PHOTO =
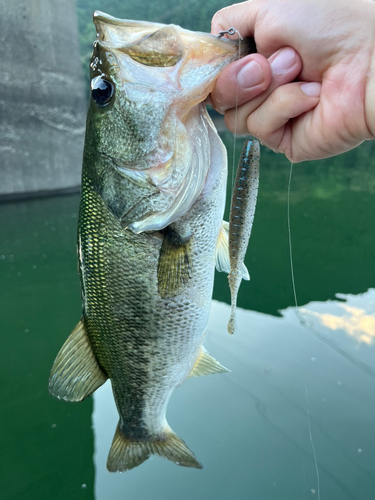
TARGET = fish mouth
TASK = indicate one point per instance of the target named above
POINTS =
(175, 152)
(127, 32)
(163, 45)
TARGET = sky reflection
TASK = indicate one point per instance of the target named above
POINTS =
(355, 317)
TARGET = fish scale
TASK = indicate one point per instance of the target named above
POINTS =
(139, 329)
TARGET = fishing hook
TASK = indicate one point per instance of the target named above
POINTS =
(230, 31)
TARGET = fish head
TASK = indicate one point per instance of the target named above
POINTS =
(146, 81)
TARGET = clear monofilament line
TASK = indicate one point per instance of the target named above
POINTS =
(235, 115)
(312, 444)
(290, 237)
(300, 318)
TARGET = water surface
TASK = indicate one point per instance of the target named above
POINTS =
(301, 385)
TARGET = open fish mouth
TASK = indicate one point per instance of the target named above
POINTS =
(161, 74)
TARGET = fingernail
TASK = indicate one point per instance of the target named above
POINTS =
(311, 89)
(250, 75)
(284, 60)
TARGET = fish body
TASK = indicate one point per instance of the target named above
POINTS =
(242, 211)
(153, 194)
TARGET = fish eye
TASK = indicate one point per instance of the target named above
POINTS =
(102, 91)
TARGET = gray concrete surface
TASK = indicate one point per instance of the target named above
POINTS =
(42, 97)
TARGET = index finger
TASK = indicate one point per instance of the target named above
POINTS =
(241, 16)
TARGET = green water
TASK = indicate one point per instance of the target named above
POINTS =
(295, 389)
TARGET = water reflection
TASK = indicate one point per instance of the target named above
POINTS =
(355, 317)
(251, 428)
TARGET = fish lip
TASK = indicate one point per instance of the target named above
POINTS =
(143, 28)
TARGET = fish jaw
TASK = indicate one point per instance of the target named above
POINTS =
(190, 61)
(153, 125)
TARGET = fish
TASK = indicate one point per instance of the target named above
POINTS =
(241, 217)
(149, 230)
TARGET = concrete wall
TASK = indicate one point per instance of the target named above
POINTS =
(42, 98)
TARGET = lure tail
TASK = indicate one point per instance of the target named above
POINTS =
(234, 285)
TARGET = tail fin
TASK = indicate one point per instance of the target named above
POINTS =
(125, 454)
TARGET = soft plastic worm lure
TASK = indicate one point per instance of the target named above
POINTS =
(241, 218)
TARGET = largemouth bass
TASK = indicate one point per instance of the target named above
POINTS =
(152, 202)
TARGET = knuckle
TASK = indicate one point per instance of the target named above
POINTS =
(279, 99)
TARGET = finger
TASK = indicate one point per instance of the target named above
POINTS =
(285, 65)
(241, 81)
(268, 122)
(241, 16)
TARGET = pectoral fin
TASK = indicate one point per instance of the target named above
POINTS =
(76, 373)
(174, 269)
(206, 365)
(222, 253)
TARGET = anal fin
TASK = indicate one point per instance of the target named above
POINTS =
(206, 365)
(76, 372)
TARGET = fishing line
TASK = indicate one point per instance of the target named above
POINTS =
(235, 121)
(299, 316)
(312, 442)
(290, 241)
(233, 31)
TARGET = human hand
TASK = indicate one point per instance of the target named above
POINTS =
(331, 108)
